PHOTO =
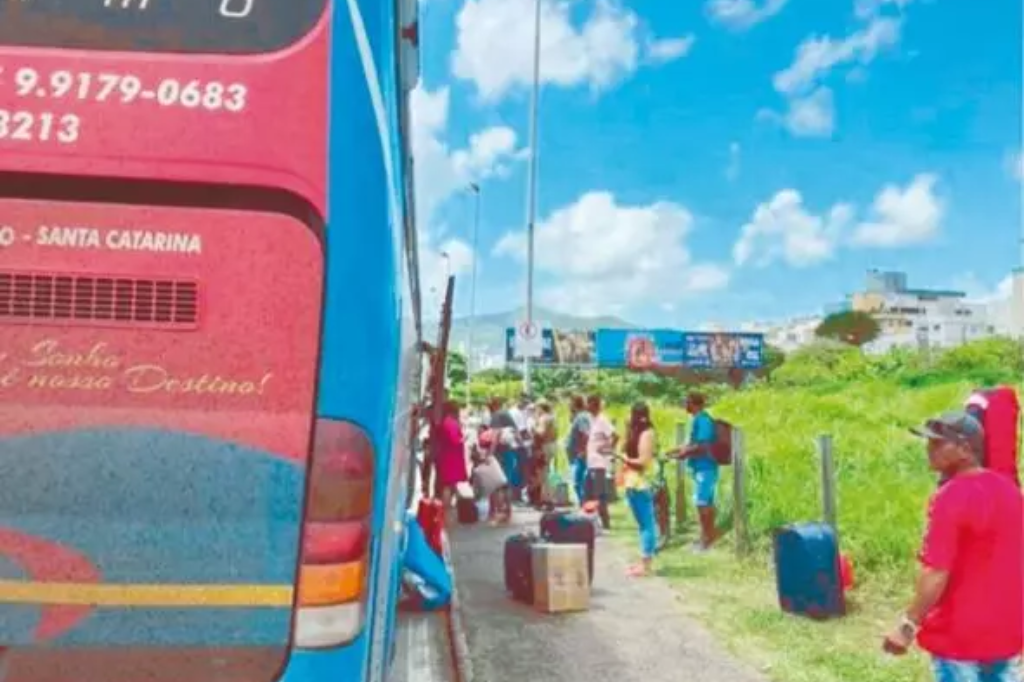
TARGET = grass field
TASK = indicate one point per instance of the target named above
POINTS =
(883, 487)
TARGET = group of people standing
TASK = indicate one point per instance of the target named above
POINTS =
(968, 607)
(520, 443)
(592, 446)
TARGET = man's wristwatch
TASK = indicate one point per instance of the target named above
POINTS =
(907, 627)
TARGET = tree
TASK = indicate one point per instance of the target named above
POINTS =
(852, 326)
(774, 357)
(457, 372)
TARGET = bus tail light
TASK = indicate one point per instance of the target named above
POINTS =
(336, 537)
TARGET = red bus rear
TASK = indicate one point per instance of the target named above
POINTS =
(162, 209)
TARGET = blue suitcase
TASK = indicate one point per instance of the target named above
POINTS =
(807, 571)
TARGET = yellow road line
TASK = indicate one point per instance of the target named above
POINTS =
(162, 595)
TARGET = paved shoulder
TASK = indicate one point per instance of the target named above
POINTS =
(633, 632)
(422, 653)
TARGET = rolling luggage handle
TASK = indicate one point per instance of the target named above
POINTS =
(739, 492)
(830, 515)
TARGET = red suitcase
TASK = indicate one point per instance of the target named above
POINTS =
(430, 516)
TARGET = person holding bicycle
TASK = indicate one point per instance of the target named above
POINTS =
(640, 449)
(703, 467)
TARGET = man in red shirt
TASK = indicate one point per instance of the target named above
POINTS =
(968, 610)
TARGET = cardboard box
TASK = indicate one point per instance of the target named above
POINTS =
(560, 580)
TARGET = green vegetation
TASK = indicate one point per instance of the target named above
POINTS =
(866, 403)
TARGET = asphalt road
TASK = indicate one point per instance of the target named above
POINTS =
(633, 632)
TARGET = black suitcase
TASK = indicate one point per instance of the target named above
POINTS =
(808, 573)
(519, 566)
(570, 528)
(467, 511)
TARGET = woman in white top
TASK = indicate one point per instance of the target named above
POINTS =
(601, 442)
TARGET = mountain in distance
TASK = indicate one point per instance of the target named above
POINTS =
(489, 329)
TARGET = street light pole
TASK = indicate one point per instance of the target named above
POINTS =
(475, 189)
(531, 187)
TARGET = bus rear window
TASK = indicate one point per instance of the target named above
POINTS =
(156, 418)
(197, 26)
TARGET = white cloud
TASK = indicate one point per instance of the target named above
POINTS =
(437, 262)
(782, 229)
(495, 39)
(1005, 288)
(818, 55)
(732, 171)
(866, 9)
(1015, 165)
(810, 105)
(903, 216)
(811, 115)
(743, 14)
(606, 256)
(979, 292)
(489, 154)
(665, 50)
(442, 171)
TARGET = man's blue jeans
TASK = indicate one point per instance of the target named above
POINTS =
(641, 502)
(579, 479)
(510, 464)
(963, 671)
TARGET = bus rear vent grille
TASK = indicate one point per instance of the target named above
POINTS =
(101, 301)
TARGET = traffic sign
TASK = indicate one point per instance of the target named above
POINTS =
(529, 343)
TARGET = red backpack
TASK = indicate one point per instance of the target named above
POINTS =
(998, 410)
(721, 450)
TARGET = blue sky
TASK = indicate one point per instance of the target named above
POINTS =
(721, 160)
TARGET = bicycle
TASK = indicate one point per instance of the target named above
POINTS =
(662, 503)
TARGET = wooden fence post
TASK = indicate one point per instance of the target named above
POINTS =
(739, 493)
(828, 482)
(680, 479)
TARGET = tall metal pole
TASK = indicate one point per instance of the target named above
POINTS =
(475, 189)
(531, 187)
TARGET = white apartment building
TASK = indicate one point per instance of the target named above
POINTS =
(1008, 307)
(793, 334)
(909, 318)
(921, 318)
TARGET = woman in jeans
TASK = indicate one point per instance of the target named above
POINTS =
(641, 445)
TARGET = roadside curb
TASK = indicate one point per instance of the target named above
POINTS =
(458, 643)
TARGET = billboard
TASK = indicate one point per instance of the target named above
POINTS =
(723, 350)
(640, 349)
(559, 347)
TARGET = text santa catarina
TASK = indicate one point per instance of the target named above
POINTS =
(76, 237)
